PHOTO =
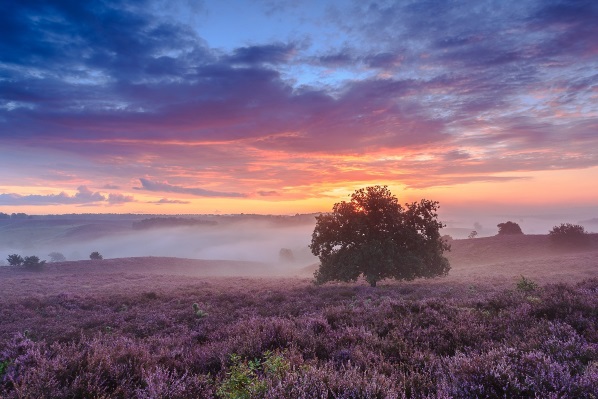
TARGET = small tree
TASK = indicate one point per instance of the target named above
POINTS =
(95, 256)
(286, 255)
(374, 236)
(33, 262)
(569, 235)
(507, 228)
(15, 260)
(56, 257)
(473, 234)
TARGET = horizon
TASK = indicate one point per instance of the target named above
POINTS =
(281, 107)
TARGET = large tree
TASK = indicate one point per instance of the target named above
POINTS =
(374, 236)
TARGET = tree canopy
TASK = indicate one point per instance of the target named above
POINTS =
(569, 235)
(508, 228)
(374, 236)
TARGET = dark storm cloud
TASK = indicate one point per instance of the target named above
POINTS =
(149, 185)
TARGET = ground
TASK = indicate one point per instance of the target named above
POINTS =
(127, 328)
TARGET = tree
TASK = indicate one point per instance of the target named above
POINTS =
(33, 262)
(374, 236)
(95, 256)
(15, 260)
(569, 235)
(286, 255)
(56, 257)
(507, 228)
(473, 234)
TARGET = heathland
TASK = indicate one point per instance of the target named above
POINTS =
(515, 317)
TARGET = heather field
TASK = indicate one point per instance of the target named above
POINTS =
(178, 328)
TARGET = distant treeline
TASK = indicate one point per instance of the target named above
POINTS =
(13, 216)
(170, 222)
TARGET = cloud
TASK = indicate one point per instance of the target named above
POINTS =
(83, 196)
(270, 53)
(271, 193)
(149, 185)
(138, 93)
(168, 201)
(119, 198)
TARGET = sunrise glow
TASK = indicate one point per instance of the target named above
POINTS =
(252, 107)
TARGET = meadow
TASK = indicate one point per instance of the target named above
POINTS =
(176, 328)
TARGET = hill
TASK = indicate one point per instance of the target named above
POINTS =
(529, 255)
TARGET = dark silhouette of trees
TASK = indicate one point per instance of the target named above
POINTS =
(569, 235)
(374, 236)
(95, 256)
(15, 260)
(508, 228)
(33, 262)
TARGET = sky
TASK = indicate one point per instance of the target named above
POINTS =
(284, 107)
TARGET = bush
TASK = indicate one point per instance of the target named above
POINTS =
(15, 260)
(95, 256)
(33, 262)
(526, 285)
(508, 228)
(569, 235)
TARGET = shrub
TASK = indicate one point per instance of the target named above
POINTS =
(33, 262)
(247, 380)
(198, 312)
(242, 380)
(567, 234)
(526, 285)
(473, 234)
(15, 260)
(95, 256)
(507, 228)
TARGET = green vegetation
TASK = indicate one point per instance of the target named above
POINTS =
(526, 285)
(95, 256)
(249, 379)
(374, 236)
(3, 367)
(199, 312)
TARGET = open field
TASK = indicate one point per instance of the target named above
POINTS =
(126, 328)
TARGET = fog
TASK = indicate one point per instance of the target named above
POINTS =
(257, 241)
(460, 221)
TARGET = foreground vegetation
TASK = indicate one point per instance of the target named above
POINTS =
(136, 336)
